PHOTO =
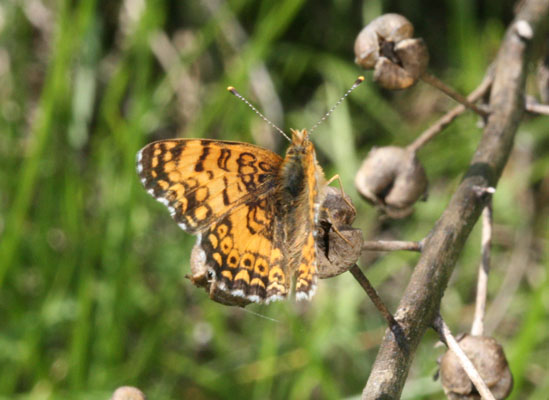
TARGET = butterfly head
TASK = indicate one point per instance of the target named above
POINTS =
(300, 139)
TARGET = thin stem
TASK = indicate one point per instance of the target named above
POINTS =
(372, 293)
(435, 82)
(477, 328)
(382, 308)
(532, 106)
(390, 245)
(446, 336)
(446, 119)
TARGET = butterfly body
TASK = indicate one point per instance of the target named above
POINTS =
(301, 179)
(253, 212)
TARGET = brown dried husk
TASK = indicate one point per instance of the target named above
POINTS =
(393, 179)
(388, 27)
(386, 45)
(488, 358)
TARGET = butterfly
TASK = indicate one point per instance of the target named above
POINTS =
(255, 214)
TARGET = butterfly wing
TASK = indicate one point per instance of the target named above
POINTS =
(224, 193)
(201, 181)
(243, 254)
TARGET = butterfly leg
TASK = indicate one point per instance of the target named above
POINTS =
(330, 218)
(334, 227)
(338, 178)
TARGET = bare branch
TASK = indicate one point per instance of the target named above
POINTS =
(435, 82)
(532, 106)
(421, 300)
(390, 245)
(520, 259)
(447, 118)
(378, 303)
(372, 294)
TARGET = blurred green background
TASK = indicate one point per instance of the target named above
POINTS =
(92, 287)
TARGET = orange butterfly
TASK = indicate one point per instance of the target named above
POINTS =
(253, 212)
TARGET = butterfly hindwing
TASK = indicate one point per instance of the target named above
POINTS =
(239, 250)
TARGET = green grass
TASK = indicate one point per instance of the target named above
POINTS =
(93, 292)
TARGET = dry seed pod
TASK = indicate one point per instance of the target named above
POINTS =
(337, 250)
(389, 27)
(201, 278)
(413, 55)
(393, 179)
(488, 358)
(386, 45)
(128, 393)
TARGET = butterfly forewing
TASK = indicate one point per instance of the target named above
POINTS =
(200, 181)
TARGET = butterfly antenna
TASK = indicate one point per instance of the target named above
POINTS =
(264, 118)
(359, 80)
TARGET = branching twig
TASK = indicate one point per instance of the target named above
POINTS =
(446, 336)
(434, 81)
(519, 260)
(446, 119)
(477, 328)
(421, 300)
(532, 106)
(390, 245)
(378, 303)
(372, 294)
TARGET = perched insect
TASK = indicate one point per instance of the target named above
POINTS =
(253, 212)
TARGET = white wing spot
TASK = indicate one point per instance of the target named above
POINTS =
(254, 298)
(302, 296)
(238, 293)
(220, 284)
(138, 158)
(274, 297)
(306, 295)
